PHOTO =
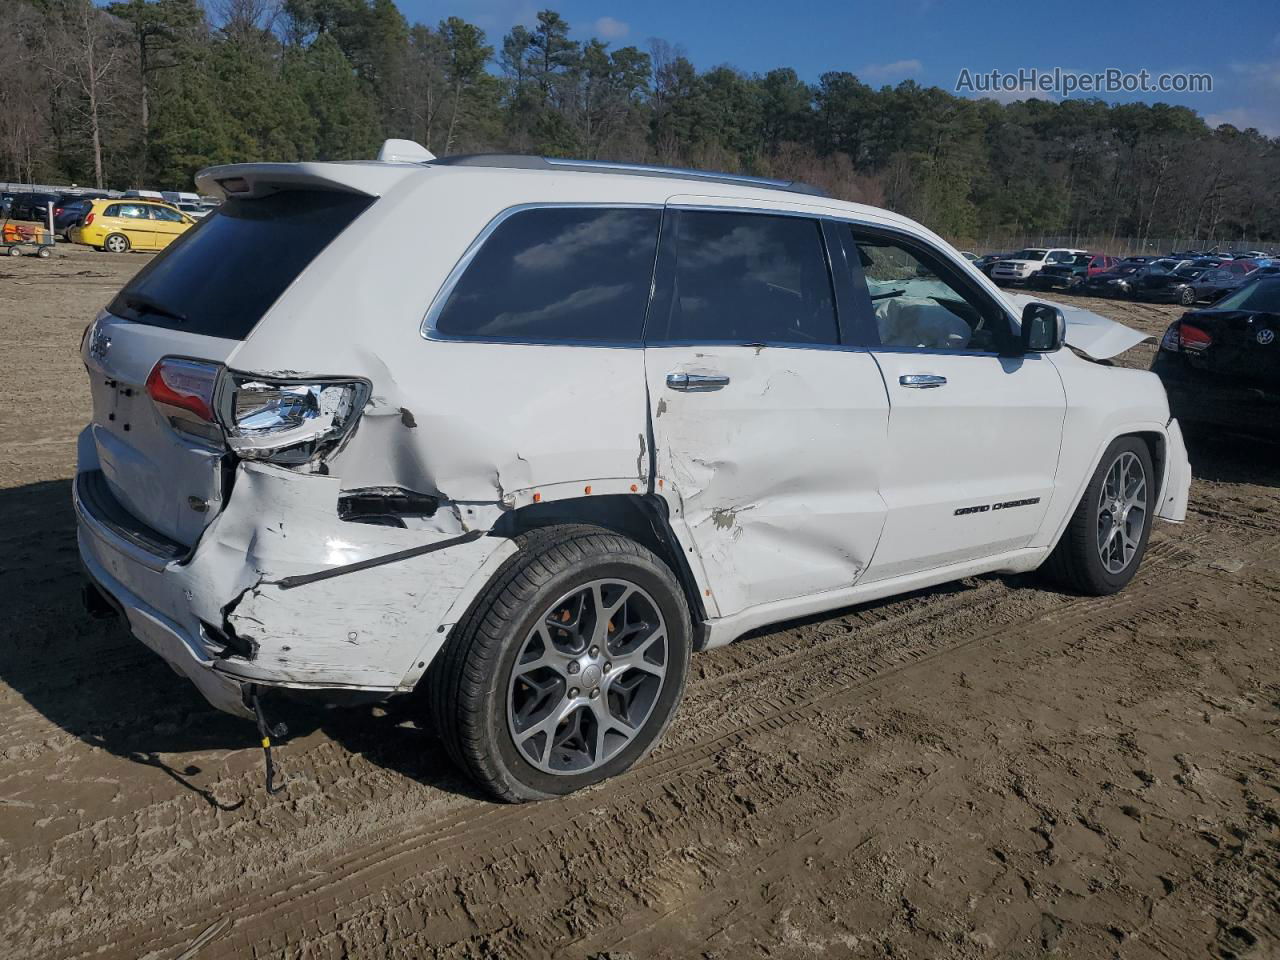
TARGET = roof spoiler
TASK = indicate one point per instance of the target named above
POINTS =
(244, 181)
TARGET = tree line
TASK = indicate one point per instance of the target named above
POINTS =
(143, 93)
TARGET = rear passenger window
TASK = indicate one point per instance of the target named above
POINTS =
(558, 273)
(745, 278)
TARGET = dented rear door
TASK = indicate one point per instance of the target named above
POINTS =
(767, 430)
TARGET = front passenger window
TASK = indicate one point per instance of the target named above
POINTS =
(917, 304)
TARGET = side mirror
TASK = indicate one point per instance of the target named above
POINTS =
(1044, 328)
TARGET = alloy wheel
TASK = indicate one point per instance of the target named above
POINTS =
(1122, 512)
(587, 677)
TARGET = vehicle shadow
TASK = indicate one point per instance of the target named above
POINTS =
(1218, 456)
(95, 681)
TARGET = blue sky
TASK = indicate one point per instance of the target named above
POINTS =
(930, 41)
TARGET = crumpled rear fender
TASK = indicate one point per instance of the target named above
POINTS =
(295, 588)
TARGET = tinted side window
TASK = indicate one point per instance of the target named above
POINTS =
(112, 211)
(558, 273)
(747, 278)
(164, 213)
(919, 301)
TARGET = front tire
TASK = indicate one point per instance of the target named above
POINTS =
(568, 667)
(1106, 537)
(1187, 297)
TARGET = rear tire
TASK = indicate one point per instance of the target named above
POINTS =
(15, 252)
(1102, 546)
(489, 697)
(1187, 297)
(116, 243)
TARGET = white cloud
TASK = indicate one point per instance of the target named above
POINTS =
(608, 28)
(1265, 75)
(885, 72)
(1262, 119)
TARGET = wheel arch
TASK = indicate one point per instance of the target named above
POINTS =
(642, 518)
(1152, 434)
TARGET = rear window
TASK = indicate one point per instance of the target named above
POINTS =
(1263, 296)
(223, 274)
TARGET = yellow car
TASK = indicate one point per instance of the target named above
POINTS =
(118, 226)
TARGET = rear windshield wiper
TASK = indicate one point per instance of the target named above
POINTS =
(143, 304)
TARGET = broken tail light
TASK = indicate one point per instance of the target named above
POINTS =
(183, 391)
(1193, 339)
(289, 422)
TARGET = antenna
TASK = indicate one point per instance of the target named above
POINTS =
(404, 151)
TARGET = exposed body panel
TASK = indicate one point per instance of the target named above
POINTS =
(775, 475)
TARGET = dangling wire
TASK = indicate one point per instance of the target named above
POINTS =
(266, 731)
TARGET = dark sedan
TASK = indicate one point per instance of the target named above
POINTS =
(1213, 285)
(1116, 282)
(1221, 365)
(33, 207)
(1178, 286)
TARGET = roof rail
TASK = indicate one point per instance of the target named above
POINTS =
(517, 161)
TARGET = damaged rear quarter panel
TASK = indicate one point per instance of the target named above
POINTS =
(364, 628)
(467, 421)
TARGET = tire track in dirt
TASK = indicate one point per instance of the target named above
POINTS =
(465, 842)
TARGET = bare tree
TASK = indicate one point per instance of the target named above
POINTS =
(85, 55)
(24, 92)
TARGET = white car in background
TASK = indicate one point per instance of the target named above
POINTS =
(596, 418)
(1026, 263)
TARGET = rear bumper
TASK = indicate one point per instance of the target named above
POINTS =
(186, 654)
(219, 614)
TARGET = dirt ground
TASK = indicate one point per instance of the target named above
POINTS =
(988, 769)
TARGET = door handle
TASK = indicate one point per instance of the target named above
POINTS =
(922, 381)
(696, 382)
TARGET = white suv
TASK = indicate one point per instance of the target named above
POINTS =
(519, 435)
(1026, 263)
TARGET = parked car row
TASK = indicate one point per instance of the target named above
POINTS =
(1186, 277)
(136, 220)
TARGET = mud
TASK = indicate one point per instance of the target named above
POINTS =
(987, 769)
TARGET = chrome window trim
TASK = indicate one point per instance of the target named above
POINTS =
(427, 328)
